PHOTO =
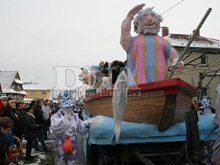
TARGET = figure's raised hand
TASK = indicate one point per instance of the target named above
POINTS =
(135, 10)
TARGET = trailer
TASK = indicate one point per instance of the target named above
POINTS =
(142, 143)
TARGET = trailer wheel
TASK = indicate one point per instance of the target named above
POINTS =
(91, 155)
(106, 156)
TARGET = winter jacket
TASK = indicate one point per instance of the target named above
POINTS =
(38, 113)
(17, 127)
(9, 138)
(30, 126)
(46, 112)
(3, 150)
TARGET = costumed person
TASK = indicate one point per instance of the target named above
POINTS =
(147, 53)
(205, 107)
(65, 126)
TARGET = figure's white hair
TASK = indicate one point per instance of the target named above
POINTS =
(140, 14)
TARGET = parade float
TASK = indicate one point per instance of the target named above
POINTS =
(147, 123)
(163, 102)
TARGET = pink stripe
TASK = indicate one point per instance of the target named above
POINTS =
(161, 58)
(140, 67)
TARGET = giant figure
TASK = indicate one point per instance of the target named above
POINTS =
(147, 53)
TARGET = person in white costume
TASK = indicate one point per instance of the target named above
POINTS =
(63, 124)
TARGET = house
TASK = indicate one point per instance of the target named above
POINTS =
(11, 85)
(36, 91)
(202, 62)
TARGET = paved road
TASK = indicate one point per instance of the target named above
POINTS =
(80, 158)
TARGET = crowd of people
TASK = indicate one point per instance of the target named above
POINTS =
(30, 122)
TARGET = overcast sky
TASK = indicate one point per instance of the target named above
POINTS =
(36, 35)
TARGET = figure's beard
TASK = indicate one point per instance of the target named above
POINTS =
(149, 29)
(69, 109)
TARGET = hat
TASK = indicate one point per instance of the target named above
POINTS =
(66, 99)
(28, 108)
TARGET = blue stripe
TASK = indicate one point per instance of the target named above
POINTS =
(130, 61)
(167, 50)
(150, 60)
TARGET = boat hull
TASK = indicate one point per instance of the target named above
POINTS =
(163, 103)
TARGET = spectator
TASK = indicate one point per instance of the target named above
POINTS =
(5, 126)
(20, 112)
(40, 132)
(30, 128)
(11, 113)
(46, 115)
(33, 103)
(20, 108)
(4, 100)
(2, 107)
(46, 109)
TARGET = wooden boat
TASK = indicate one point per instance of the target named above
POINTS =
(163, 103)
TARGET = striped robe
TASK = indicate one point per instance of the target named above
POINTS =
(147, 59)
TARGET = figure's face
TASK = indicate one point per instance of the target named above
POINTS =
(149, 24)
(68, 108)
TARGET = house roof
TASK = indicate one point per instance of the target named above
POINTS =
(181, 40)
(7, 78)
(34, 86)
(18, 81)
(15, 92)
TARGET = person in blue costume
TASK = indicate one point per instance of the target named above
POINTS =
(65, 124)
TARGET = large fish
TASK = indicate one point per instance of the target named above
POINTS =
(119, 101)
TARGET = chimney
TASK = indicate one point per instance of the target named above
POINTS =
(165, 31)
(197, 34)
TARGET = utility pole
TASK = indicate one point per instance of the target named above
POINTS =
(200, 94)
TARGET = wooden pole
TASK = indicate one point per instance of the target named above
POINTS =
(190, 41)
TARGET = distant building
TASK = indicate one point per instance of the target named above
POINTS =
(202, 62)
(11, 85)
(36, 91)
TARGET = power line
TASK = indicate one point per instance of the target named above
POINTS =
(172, 7)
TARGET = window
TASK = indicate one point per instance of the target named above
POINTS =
(43, 92)
(204, 60)
(16, 86)
(32, 92)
